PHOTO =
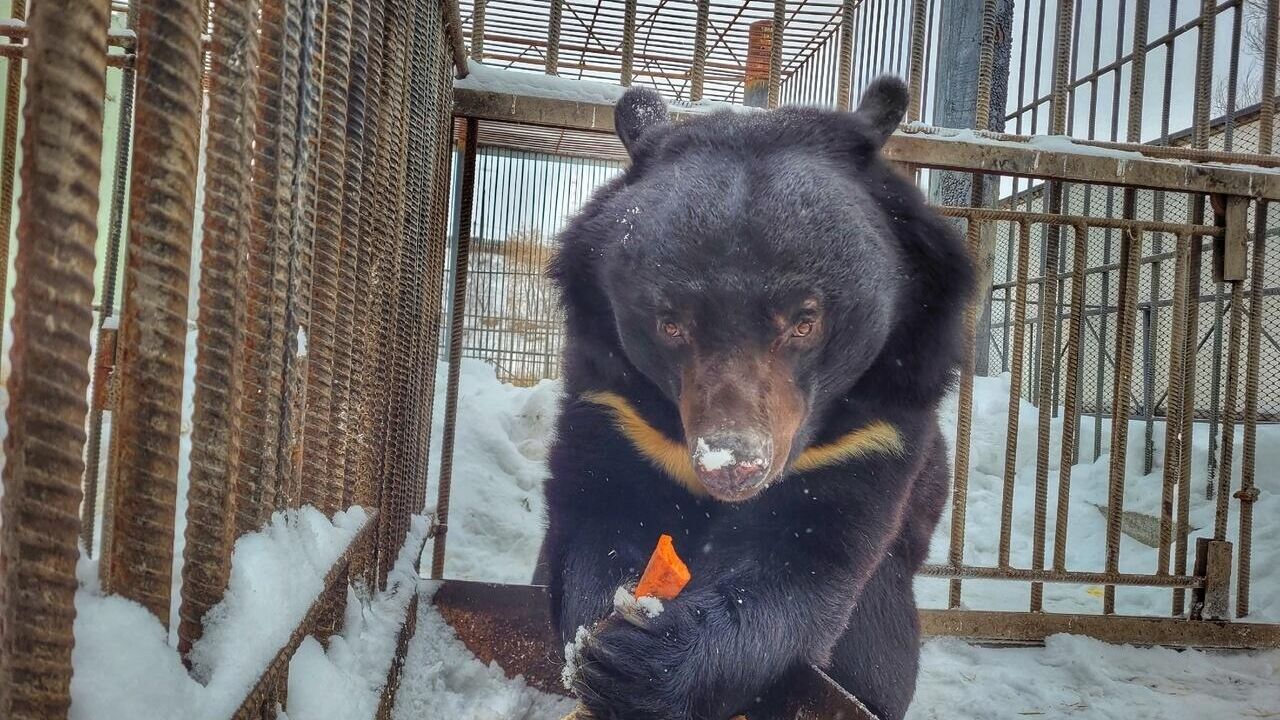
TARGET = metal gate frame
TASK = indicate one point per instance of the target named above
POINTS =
(1230, 188)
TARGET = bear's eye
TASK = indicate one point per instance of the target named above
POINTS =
(671, 330)
(802, 328)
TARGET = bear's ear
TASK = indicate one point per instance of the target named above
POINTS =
(882, 107)
(637, 113)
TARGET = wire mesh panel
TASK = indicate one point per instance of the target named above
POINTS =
(522, 201)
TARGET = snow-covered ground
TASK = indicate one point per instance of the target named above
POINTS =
(495, 529)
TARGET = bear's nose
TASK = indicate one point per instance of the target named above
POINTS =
(732, 466)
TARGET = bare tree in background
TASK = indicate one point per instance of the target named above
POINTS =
(1253, 40)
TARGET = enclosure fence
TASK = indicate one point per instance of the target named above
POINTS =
(1125, 268)
(321, 131)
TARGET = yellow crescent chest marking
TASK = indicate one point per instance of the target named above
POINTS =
(671, 457)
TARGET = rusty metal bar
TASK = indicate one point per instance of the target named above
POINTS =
(1230, 391)
(372, 195)
(453, 34)
(1015, 394)
(778, 33)
(919, 41)
(697, 72)
(628, 43)
(388, 402)
(300, 262)
(556, 9)
(973, 572)
(153, 328)
(322, 483)
(1186, 416)
(478, 8)
(1130, 252)
(1248, 493)
(1145, 226)
(935, 148)
(436, 244)
(351, 241)
(216, 427)
(1071, 411)
(461, 253)
(100, 381)
(1035, 627)
(1048, 354)
(845, 73)
(9, 167)
(410, 323)
(264, 474)
(1173, 421)
(52, 316)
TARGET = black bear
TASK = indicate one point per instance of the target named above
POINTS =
(762, 317)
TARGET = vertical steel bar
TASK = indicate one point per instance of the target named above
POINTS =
(1048, 343)
(52, 316)
(919, 11)
(110, 270)
(300, 255)
(364, 488)
(964, 420)
(389, 400)
(153, 330)
(9, 166)
(1071, 413)
(352, 240)
(775, 51)
(1186, 416)
(1130, 256)
(1228, 418)
(216, 426)
(556, 9)
(461, 257)
(478, 8)
(263, 349)
(1015, 392)
(1173, 438)
(844, 74)
(1248, 458)
(698, 71)
(322, 486)
(628, 42)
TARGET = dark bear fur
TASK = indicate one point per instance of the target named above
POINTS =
(721, 216)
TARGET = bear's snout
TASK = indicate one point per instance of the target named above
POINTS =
(733, 465)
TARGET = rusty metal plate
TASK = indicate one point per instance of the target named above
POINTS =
(509, 624)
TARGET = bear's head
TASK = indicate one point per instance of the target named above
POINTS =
(759, 271)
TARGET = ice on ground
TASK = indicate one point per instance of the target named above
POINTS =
(442, 679)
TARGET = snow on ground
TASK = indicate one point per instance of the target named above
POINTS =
(496, 527)
(125, 666)
(442, 679)
(344, 681)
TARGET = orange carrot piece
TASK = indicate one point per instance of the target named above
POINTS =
(666, 575)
